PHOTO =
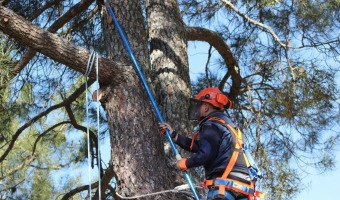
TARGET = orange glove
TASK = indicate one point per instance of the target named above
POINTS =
(181, 164)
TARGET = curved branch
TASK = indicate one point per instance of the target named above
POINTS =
(206, 67)
(214, 39)
(83, 22)
(47, 5)
(93, 137)
(105, 182)
(15, 136)
(26, 162)
(44, 133)
(77, 190)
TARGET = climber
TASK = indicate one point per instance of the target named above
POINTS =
(227, 178)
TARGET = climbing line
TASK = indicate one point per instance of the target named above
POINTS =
(98, 127)
(87, 73)
(93, 58)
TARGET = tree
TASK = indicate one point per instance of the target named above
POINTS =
(262, 52)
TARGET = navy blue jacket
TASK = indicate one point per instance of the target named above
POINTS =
(213, 148)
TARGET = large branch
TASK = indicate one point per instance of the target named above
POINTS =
(214, 39)
(60, 22)
(58, 49)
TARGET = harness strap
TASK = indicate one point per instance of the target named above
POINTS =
(237, 186)
(238, 145)
(194, 137)
(223, 182)
(230, 164)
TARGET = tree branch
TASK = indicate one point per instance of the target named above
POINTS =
(214, 39)
(45, 132)
(263, 26)
(47, 5)
(105, 182)
(93, 136)
(26, 162)
(77, 190)
(59, 49)
(15, 136)
(60, 22)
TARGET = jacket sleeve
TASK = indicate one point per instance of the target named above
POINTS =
(185, 142)
(207, 146)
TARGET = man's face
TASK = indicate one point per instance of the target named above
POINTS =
(197, 109)
(194, 109)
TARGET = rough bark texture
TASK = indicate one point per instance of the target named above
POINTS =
(137, 153)
(170, 68)
(58, 48)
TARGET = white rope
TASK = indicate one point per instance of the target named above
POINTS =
(88, 70)
(98, 127)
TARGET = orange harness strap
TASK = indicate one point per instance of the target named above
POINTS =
(223, 182)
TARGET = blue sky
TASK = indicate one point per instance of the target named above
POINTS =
(318, 186)
(322, 186)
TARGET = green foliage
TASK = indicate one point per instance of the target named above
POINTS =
(6, 62)
(42, 187)
(287, 105)
(289, 100)
(40, 152)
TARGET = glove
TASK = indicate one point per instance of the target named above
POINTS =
(181, 164)
(163, 126)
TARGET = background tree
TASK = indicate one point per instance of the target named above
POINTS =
(278, 61)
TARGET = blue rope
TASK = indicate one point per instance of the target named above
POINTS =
(148, 91)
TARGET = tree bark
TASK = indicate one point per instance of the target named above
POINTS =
(170, 71)
(59, 49)
(137, 150)
(137, 154)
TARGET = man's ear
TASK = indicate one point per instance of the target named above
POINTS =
(206, 107)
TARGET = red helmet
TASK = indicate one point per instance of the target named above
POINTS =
(215, 97)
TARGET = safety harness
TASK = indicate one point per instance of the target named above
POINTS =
(222, 183)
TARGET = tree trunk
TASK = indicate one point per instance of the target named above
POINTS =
(170, 68)
(137, 149)
(137, 154)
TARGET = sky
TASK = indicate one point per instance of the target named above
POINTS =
(318, 186)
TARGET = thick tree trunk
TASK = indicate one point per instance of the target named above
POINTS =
(170, 68)
(137, 151)
(137, 148)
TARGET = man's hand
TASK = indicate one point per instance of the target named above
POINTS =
(163, 126)
(182, 165)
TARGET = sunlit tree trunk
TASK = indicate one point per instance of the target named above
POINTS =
(170, 69)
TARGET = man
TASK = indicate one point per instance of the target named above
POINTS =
(213, 146)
